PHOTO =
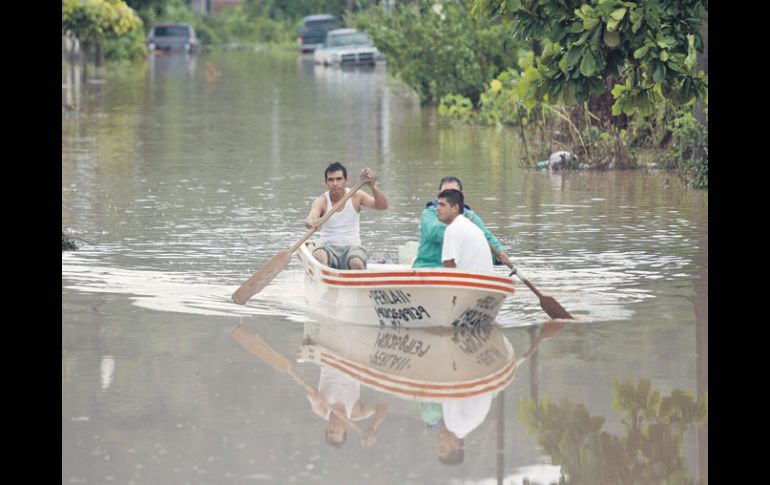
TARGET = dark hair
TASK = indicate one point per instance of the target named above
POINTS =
(449, 179)
(453, 197)
(335, 167)
(454, 457)
(335, 443)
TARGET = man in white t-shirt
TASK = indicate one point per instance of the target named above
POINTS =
(465, 246)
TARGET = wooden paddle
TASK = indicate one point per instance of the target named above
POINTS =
(268, 272)
(547, 303)
(257, 346)
(549, 330)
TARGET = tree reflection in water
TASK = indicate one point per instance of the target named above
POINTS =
(649, 452)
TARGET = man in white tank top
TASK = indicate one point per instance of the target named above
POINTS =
(340, 245)
(337, 390)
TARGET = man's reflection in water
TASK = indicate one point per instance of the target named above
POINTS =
(337, 390)
(453, 421)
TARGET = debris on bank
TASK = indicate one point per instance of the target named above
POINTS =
(564, 160)
(68, 243)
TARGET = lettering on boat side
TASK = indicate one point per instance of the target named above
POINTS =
(488, 302)
(403, 343)
(472, 340)
(389, 361)
(389, 297)
(395, 351)
(478, 314)
(396, 315)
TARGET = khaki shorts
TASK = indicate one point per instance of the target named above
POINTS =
(339, 256)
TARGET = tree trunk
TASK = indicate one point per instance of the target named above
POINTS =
(99, 58)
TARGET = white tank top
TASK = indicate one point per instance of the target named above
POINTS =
(336, 387)
(342, 228)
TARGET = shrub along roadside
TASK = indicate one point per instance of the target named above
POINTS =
(438, 48)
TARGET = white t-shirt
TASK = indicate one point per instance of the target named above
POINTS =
(462, 417)
(465, 243)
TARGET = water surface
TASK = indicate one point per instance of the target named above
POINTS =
(184, 183)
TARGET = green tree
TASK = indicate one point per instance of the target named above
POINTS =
(438, 48)
(94, 21)
(642, 51)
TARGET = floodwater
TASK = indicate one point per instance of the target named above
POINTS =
(185, 175)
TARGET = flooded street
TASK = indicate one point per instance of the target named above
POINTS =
(185, 175)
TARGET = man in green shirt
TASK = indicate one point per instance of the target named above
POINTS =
(432, 232)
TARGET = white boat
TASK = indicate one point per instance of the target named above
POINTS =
(437, 364)
(401, 296)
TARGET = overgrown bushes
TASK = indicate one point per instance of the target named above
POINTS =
(437, 48)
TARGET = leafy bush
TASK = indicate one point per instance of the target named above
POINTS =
(438, 48)
(130, 46)
(691, 139)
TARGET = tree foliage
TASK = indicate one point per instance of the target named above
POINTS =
(438, 48)
(648, 46)
(97, 20)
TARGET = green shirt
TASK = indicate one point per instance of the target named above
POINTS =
(432, 237)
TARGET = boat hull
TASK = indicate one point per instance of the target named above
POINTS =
(437, 364)
(401, 296)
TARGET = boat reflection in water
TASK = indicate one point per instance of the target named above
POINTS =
(452, 373)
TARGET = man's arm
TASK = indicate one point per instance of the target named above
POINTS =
(378, 202)
(431, 228)
(500, 255)
(369, 435)
(318, 404)
(316, 212)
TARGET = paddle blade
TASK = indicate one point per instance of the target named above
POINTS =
(553, 309)
(262, 278)
(257, 346)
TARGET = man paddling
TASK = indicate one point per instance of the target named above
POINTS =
(340, 245)
(343, 393)
(432, 231)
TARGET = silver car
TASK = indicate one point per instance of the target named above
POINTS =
(347, 47)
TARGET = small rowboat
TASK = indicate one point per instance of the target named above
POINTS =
(401, 296)
(438, 364)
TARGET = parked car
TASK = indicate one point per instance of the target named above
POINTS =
(347, 47)
(172, 37)
(314, 29)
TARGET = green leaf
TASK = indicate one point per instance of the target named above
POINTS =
(612, 39)
(659, 74)
(689, 61)
(588, 64)
(573, 56)
(513, 5)
(612, 25)
(618, 14)
(664, 55)
(590, 22)
(576, 27)
(641, 52)
(583, 38)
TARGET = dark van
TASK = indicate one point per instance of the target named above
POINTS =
(314, 29)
